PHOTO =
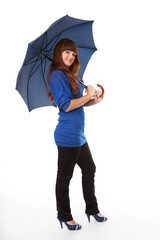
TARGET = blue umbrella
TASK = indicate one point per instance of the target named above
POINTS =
(32, 77)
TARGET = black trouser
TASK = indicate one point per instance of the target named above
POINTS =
(67, 158)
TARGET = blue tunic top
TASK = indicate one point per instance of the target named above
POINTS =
(70, 129)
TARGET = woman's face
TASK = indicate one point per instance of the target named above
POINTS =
(68, 57)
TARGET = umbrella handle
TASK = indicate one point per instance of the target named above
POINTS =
(102, 89)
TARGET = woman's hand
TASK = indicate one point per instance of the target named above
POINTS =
(91, 91)
(97, 97)
(75, 103)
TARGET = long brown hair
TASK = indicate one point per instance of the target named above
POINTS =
(57, 64)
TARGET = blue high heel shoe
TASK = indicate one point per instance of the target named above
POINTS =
(97, 218)
(70, 226)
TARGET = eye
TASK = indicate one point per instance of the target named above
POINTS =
(73, 54)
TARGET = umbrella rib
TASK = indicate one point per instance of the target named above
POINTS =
(38, 58)
(45, 35)
(35, 69)
(39, 51)
(31, 62)
(67, 29)
(28, 62)
(44, 67)
(42, 59)
(37, 55)
(53, 43)
(88, 48)
(44, 70)
(52, 47)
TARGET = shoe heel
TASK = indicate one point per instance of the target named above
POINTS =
(60, 223)
(88, 216)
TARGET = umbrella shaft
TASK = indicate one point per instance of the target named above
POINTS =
(51, 61)
(82, 83)
(45, 56)
(42, 53)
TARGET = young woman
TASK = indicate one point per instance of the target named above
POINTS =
(67, 93)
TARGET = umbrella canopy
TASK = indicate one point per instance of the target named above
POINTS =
(32, 77)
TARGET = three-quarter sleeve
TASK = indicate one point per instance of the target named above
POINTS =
(60, 89)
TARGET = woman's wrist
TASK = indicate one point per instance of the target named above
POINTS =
(89, 95)
(75, 103)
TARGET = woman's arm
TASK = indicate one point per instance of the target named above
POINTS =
(75, 103)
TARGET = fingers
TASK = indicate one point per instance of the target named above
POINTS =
(91, 90)
(98, 93)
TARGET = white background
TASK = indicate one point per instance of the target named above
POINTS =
(123, 131)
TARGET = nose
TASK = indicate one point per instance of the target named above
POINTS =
(70, 56)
